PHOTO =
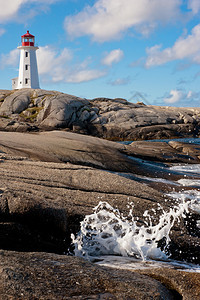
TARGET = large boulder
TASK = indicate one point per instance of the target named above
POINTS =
(16, 102)
(61, 111)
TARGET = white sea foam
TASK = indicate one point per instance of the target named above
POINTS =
(189, 182)
(192, 195)
(193, 168)
(160, 180)
(131, 263)
(107, 232)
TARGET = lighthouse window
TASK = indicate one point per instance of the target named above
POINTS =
(26, 80)
(26, 67)
(26, 54)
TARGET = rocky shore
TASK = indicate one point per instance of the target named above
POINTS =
(55, 168)
(114, 119)
(50, 180)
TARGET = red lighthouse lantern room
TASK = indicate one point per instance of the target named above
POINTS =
(28, 39)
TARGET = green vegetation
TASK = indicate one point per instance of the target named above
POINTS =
(30, 114)
(4, 116)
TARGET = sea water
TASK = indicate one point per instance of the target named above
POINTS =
(111, 239)
(108, 232)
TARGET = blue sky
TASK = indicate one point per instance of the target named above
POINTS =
(140, 50)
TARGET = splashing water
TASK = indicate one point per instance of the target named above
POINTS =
(108, 232)
(193, 196)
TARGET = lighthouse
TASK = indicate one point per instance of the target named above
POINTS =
(28, 71)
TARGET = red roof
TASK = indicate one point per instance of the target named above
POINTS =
(27, 35)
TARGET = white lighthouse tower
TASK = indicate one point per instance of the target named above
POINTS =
(28, 71)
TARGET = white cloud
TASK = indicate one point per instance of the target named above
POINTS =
(52, 62)
(187, 47)
(113, 57)
(55, 66)
(11, 8)
(175, 96)
(85, 75)
(108, 19)
(10, 59)
(194, 5)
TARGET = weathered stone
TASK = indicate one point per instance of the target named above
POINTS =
(43, 200)
(188, 149)
(51, 276)
(59, 110)
(115, 119)
(166, 152)
(185, 285)
(50, 181)
(59, 146)
(144, 122)
(59, 195)
(84, 115)
(15, 103)
(4, 94)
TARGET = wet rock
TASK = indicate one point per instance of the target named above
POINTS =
(58, 195)
(59, 146)
(184, 285)
(166, 152)
(51, 276)
(48, 182)
(188, 149)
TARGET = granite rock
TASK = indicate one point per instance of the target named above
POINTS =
(49, 181)
(15, 103)
(114, 119)
(51, 276)
(59, 177)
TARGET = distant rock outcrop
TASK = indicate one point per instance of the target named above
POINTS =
(115, 119)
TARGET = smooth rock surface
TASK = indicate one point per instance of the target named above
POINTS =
(186, 284)
(15, 103)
